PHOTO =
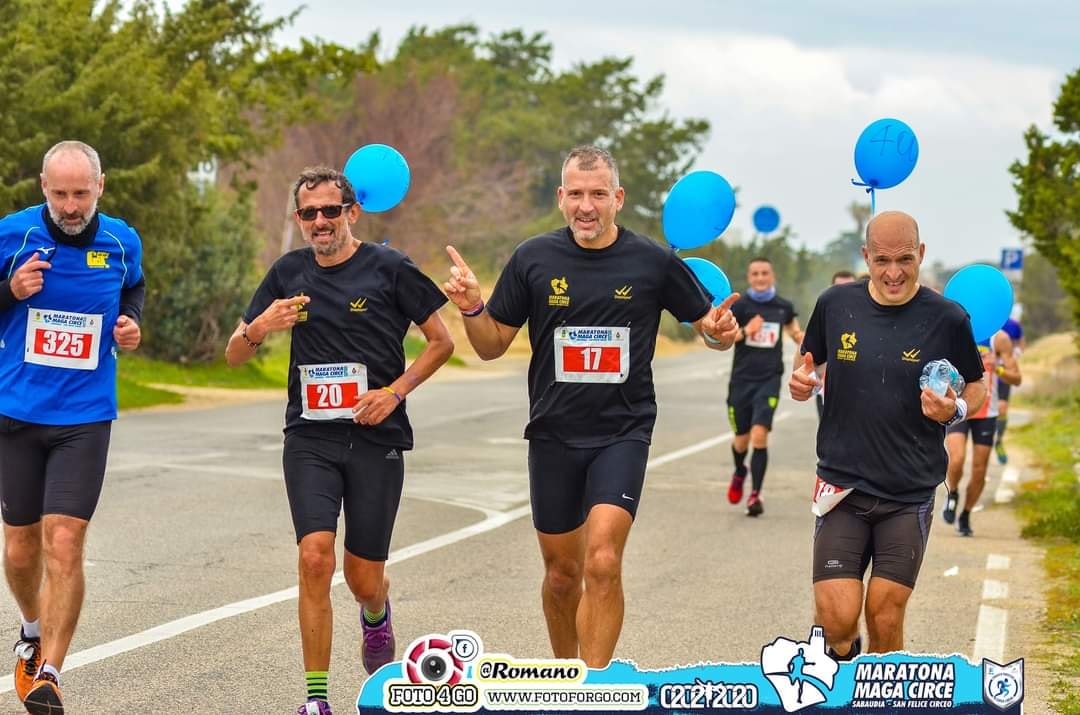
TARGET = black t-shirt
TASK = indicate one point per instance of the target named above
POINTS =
(359, 312)
(556, 285)
(760, 356)
(873, 435)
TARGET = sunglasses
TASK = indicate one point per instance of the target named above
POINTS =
(331, 212)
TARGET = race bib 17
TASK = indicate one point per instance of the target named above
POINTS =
(592, 354)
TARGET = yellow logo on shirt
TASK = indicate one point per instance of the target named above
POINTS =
(97, 259)
(623, 293)
(358, 306)
(911, 355)
(558, 297)
(847, 340)
(301, 310)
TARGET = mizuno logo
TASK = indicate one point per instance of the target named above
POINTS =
(623, 293)
(358, 306)
(911, 355)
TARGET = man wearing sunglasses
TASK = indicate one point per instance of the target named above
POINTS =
(72, 292)
(348, 305)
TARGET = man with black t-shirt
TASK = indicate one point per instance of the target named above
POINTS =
(754, 386)
(348, 305)
(592, 293)
(880, 443)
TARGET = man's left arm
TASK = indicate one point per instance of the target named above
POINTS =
(1009, 369)
(794, 331)
(374, 406)
(947, 409)
(127, 332)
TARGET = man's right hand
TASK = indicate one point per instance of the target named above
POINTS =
(282, 314)
(753, 326)
(803, 380)
(28, 278)
(461, 287)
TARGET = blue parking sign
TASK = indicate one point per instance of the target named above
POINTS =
(1012, 259)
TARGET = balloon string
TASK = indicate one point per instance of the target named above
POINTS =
(869, 190)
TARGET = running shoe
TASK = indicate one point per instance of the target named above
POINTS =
(379, 645)
(44, 696)
(754, 507)
(949, 513)
(963, 524)
(999, 449)
(856, 648)
(315, 707)
(28, 657)
(734, 492)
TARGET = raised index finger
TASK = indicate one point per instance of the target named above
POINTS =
(728, 301)
(457, 259)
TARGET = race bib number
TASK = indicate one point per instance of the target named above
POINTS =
(592, 354)
(329, 392)
(765, 337)
(61, 339)
(827, 496)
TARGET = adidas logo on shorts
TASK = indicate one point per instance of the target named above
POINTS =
(393, 454)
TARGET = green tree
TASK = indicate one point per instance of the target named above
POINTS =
(157, 93)
(1048, 191)
(1046, 307)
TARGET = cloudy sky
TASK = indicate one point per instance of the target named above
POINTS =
(788, 87)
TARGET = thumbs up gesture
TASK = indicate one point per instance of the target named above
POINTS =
(804, 380)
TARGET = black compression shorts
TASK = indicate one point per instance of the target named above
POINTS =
(51, 469)
(862, 529)
(331, 469)
(566, 482)
(982, 430)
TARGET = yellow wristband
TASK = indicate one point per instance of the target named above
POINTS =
(1000, 369)
(392, 392)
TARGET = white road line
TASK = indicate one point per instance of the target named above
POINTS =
(1010, 475)
(997, 562)
(952, 571)
(157, 461)
(699, 447)
(993, 589)
(1003, 495)
(990, 634)
(492, 520)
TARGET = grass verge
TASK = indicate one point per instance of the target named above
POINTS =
(1050, 511)
(136, 374)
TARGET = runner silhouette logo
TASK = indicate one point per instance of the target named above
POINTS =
(801, 672)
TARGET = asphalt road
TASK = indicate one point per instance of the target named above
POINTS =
(191, 555)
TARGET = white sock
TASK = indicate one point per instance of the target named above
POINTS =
(49, 669)
(31, 629)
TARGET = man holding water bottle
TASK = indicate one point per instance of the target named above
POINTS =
(880, 445)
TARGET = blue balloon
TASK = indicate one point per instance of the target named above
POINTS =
(380, 175)
(766, 219)
(711, 277)
(698, 209)
(885, 153)
(986, 295)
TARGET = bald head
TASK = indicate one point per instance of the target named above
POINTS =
(896, 227)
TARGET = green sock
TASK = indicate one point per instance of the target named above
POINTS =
(374, 619)
(316, 684)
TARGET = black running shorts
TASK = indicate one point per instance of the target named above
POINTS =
(565, 483)
(752, 403)
(1004, 389)
(862, 529)
(51, 469)
(331, 468)
(982, 430)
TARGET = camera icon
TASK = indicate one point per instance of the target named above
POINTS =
(431, 660)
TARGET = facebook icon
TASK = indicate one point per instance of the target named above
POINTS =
(1012, 259)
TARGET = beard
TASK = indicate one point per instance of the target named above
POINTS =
(591, 234)
(337, 242)
(76, 228)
